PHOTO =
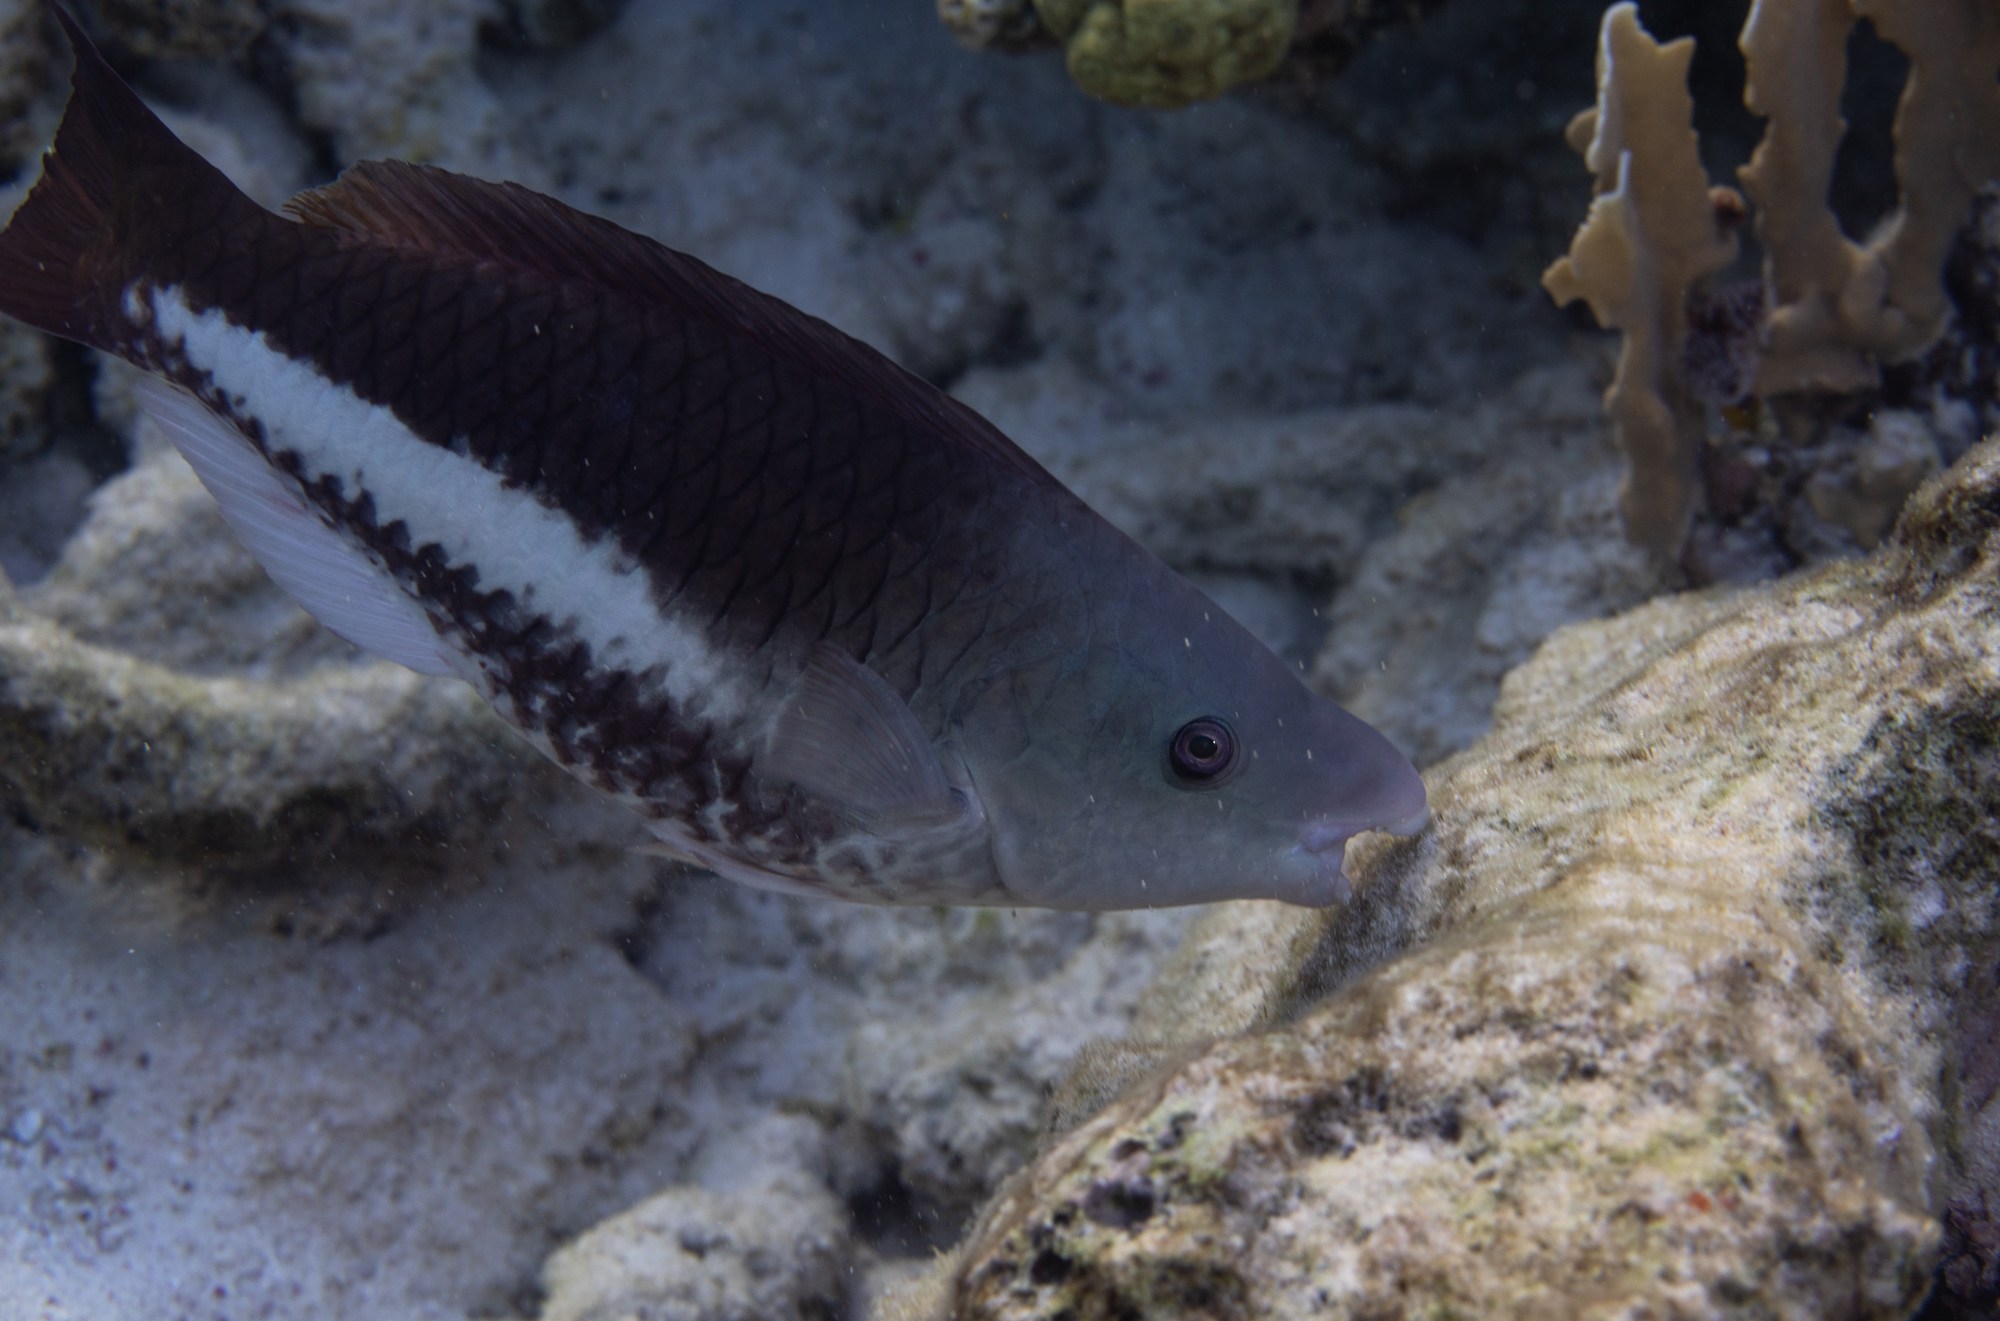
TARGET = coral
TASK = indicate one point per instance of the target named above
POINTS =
(1667, 1013)
(1838, 309)
(1166, 53)
(1652, 234)
(1833, 311)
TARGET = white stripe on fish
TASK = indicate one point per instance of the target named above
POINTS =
(517, 543)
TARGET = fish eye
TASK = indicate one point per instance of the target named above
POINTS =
(1202, 749)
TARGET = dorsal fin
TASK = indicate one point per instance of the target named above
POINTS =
(434, 210)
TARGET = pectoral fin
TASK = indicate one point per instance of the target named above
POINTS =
(845, 737)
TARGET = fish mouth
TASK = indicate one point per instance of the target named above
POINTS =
(1322, 882)
(1323, 847)
(1330, 837)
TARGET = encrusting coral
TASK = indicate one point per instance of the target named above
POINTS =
(1833, 310)
(1669, 1013)
(1169, 52)
(1166, 53)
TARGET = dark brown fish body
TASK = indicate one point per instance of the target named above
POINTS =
(804, 613)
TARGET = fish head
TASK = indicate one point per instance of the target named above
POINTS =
(1186, 764)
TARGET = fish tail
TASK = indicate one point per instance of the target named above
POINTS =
(113, 171)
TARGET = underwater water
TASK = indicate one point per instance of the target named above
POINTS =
(324, 994)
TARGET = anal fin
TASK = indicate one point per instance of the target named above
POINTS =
(315, 565)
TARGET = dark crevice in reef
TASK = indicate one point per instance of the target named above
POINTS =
(890, 1218)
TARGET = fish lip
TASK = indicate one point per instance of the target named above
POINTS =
(1324, 837)
(1329, 836)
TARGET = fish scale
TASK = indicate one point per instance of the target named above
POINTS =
(825, 629)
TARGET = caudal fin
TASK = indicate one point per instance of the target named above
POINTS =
(86, 228)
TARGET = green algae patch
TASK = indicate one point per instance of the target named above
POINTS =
(1166, 53)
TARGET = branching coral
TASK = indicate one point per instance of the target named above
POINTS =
(1834, 310)
(1651, 235)
(1840, 308)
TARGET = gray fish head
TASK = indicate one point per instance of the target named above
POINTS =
(1194, 769)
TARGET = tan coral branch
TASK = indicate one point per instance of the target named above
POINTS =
(1839, 309)
(1651, 234)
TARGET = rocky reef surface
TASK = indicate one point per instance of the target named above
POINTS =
(1684, 1006)
(320, 996)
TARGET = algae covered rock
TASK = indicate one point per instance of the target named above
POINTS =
(1169, 52)
(1677, 1009)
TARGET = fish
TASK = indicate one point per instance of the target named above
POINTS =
(822, 627)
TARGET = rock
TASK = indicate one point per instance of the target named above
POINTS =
(1668, 1013)
(994, 24)
(27, 376)
(769, 1250)
(552, 25)
(957, 1097)
(184, 29)
(1521, 539)
(156, 574)
(386, 79)
(24, 68)
(201, 1118)
(126, 754)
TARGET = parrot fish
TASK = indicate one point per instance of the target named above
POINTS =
(822, 627)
